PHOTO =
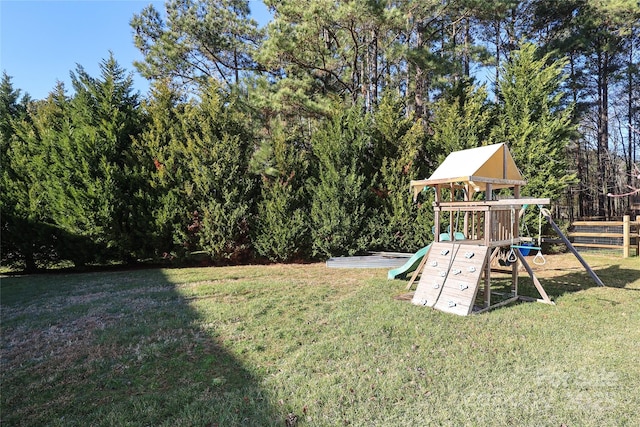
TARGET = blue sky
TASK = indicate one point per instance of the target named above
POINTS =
(42, 41)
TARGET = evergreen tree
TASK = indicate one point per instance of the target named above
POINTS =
(160, 161)
(282, 225)
(93, 193)
(533, 121)
(217, 149)
(461, 119)
(400, 156)
(340, 208)
(34, 158)
(19, 242)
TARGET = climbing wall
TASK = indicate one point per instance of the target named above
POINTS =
(451, 277)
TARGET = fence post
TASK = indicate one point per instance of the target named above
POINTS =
(626, 235)
(638, 235)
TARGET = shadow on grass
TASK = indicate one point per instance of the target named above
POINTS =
(613, 276)
(119, 348)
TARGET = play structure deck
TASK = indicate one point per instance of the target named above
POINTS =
(452, 272)
(393, 260)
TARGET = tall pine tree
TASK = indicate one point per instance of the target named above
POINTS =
(96, 195)
(534, 122)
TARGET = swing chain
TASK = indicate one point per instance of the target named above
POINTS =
(512, 257)
(539, 258)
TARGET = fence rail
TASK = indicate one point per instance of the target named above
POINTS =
(618, 235)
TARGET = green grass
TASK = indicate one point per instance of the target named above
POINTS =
(248, 345)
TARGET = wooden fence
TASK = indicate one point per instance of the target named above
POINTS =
(608, 235)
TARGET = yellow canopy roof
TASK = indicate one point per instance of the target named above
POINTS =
(491, 164)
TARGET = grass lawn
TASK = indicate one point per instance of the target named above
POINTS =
(249, 345)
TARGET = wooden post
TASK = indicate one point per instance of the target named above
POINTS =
(472, 228)
(451, 223)
(487, 280)
(487, 242)
(504, 162)
(487, 226)
(466, 213)
(638, 235)
(516, 233)
(436, 217)
(626, 235)
(451, 226)
(487, 217)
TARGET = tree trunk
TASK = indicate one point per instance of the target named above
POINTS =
(497, 27)
(467, 54)
(30, 263)
(602, 135)
(419, 80)
(630, 88)
(374, 68)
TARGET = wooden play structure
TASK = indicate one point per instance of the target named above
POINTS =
(452, 271)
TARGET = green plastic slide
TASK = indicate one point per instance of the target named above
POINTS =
(409, 266)
(414, 261)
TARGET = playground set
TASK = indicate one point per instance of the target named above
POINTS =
(452, 268)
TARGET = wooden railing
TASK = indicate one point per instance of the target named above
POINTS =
(615, 235)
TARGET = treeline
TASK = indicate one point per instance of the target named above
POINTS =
(299, 142)
(316, 50)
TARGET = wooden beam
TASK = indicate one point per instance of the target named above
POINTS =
(466, 213)
(487, 277)
(497, 203)
(436, 216)
(536, 282)
(516, 234)
(418, 270)
(504, 162)
(500, 304)
(494, 254)
(566, 241)
(596, 245)
(474, 180)
(497, 181)
(589, 234)
(506, 242)
(599, 223)
(487, 228)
